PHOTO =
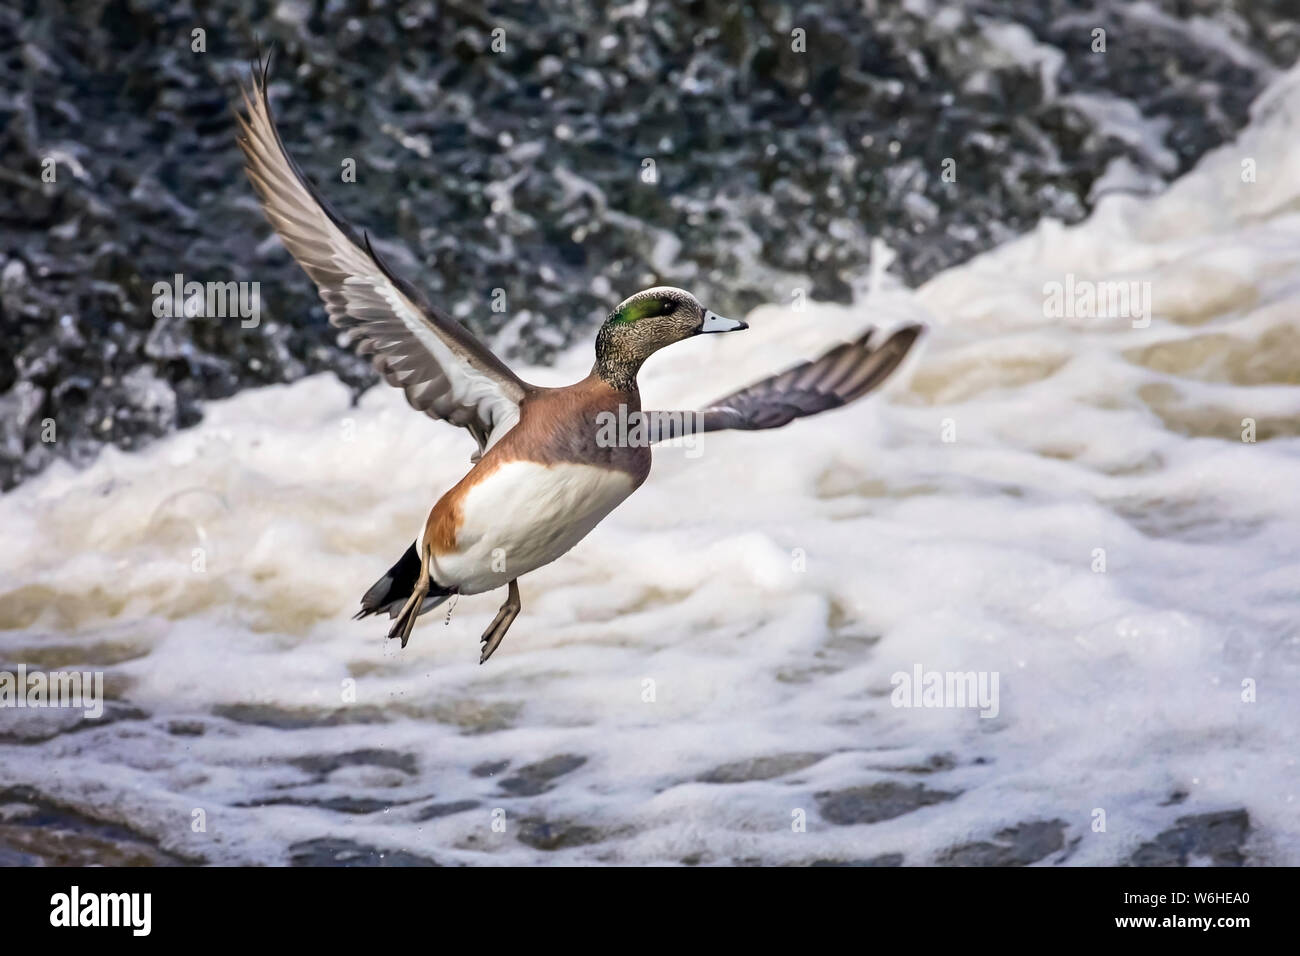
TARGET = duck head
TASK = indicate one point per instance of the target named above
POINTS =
(645, 323)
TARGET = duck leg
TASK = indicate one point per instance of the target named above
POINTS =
(501, 623)
(411, 609)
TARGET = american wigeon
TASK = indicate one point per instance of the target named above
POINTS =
(546, 471)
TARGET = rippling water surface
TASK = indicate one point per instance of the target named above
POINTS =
(715, 662)
(795, 148)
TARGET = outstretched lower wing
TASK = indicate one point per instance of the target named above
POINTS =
(444, 370)
(842, 375)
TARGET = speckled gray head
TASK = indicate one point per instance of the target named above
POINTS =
(645, 323)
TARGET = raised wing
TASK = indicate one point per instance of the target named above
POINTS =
(842, 375)
(444, 370)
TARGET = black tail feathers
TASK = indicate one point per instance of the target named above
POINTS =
(390, 592)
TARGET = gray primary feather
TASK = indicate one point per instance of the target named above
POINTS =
(442, 368)
(842, 375)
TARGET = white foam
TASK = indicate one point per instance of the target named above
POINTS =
(1117, 689)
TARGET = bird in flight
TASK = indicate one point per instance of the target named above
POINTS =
(546, 471)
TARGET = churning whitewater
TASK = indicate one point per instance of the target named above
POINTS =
(1099, 510)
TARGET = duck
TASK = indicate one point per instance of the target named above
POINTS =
(547, 468)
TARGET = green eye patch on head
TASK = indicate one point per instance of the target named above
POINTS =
(641, 309)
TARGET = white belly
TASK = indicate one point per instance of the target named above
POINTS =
(523, 516)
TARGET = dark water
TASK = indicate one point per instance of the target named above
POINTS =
(521, 169)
